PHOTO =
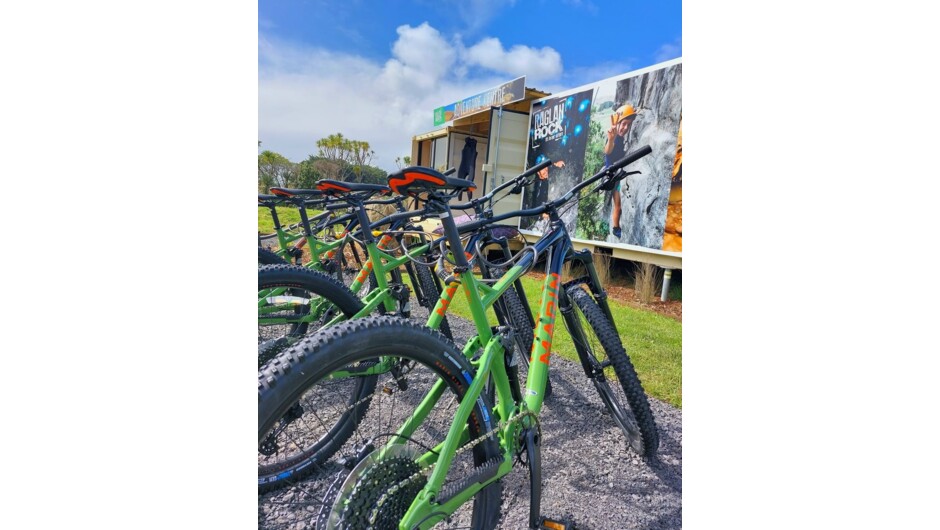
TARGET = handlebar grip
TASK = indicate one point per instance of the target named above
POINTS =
(629, 159)
(450, 171)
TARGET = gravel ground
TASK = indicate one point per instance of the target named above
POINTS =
(588, 473)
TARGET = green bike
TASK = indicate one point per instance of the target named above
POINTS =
(435, 437)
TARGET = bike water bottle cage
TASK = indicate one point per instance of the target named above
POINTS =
(338, 188)
(414, 180)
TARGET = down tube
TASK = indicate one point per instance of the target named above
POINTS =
(536, 381)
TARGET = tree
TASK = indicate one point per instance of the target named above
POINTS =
(373, 175)
(346, 154)
(274, 170)
(309, 172)
(360, 154)
(334, 147)
(402, 161)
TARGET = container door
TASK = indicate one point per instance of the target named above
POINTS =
(505, 156)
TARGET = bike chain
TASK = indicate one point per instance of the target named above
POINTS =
(425, 472)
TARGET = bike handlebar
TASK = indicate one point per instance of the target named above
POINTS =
(609, 170)
(396, 217)
(630, 158)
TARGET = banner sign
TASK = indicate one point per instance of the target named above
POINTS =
(503, 94)
(587, 128)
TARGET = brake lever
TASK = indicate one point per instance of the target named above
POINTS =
(609, 183)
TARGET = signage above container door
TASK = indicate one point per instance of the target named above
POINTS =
(506, 93)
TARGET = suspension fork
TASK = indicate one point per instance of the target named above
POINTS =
(593, 282)
(591, 369)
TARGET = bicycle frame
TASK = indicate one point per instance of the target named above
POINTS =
(491, 365)
(428, 508)
(284, 236)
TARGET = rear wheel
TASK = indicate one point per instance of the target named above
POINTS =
(266, 257)
(613, 373)
(302, 388)
(429, 295)
(294, 301)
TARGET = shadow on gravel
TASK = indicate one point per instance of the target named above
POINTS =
(667, 462)
(667, 521)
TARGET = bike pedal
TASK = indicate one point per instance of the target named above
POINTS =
(553, 524)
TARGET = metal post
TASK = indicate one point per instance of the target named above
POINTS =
(667, 275)
(499, 127)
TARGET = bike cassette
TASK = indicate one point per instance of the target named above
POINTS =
(269, 445)
(366, 498)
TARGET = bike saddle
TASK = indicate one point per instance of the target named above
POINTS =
(413, 180)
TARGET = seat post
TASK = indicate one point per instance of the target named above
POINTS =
(364, 222)
(451, 234)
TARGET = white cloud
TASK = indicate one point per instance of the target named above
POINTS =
(422, 58)
(669, 51)
(305, 94)
(535, 64)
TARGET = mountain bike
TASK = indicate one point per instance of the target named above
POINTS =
(431, 439)
(291, 238)
(301, 311)
(511, 311)
(294, 301)
(318, 234)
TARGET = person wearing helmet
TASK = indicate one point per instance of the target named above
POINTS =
(540, 186)
(615, 149)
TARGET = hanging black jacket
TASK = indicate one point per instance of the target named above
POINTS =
(468, 161)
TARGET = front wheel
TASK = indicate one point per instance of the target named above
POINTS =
(523, 334)
(381, 471)
(293, 302)
(612, 373)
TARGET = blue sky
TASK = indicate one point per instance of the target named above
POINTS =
(375, 71)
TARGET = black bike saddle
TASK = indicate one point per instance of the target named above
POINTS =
(417, 179)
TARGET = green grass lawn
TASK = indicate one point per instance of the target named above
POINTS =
(285, 214)
(653, 342)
